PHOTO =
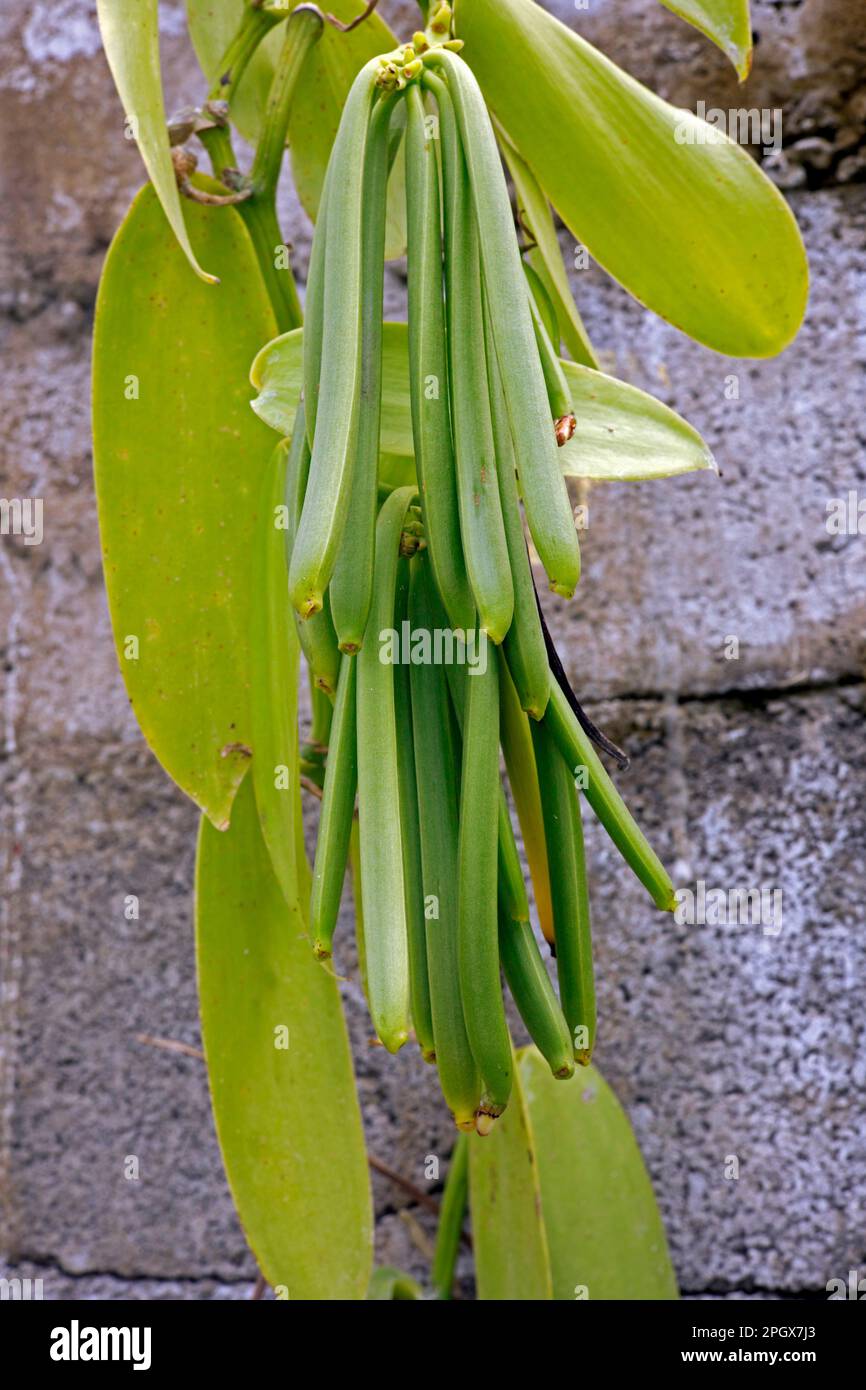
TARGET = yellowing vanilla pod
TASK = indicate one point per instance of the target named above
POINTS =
(413, 875)
(534, 996)
(524, 647)
(326, 502)
(385, 932)
(548, 510)
(565, 856)
(351, 587)
(481, 525)
(438, 780)
(478, 931)
(428, 369)
(335, 818)
(580, 756)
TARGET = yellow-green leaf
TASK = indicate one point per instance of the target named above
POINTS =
(282, 1088)
(545, 258)
(623, 434)
(726, 22)
(676, 212)
(130, 37)
(604, 1230)
(179, 461)
(512, 1262)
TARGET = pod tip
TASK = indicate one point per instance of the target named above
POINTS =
(392, 1042)
(321, 951)
(584, 1057)
(428, 1055)
(564, 590)
(484, 1123)
(350, 648)
(309, 606)
(565, 1071)
(322, 683)
(466, 1126)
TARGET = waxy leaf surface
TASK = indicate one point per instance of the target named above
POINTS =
(179, 460)
(280, 1071)
(674, 210)
(604, 1231)
(726, 22)
(509, 1242)
(623, 434)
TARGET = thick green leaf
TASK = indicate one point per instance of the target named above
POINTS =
(179, 461)
(321, 95)
(546, 259)
(283, 1093)
(680, 215)
(512, 1261)
(726, 22)
(274, 667)
(604, 1231)
(623, 434)
(130, 37)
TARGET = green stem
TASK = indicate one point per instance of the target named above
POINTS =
(451, 1214)
(218, 143)
(253, 27)
(264, 229)
(303, 31)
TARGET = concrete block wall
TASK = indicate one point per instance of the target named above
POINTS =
(748, 770)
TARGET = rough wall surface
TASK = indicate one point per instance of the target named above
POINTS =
(748, 767)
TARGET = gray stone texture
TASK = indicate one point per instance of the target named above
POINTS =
(747, 769)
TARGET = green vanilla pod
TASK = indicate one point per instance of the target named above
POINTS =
(326, 502)
(512, 889)
(413, 874)
(452, 1212)
(586, 767)
(558, 394)
(314, 315)
(316, 634)
(351, 586)
(534, 996)
(481, 524)
(335, 818)
(524, 647)
(516, 740)
(543, 303)
(379, 796)
(438, 781)
(571, 928)
(548, 509)
(428, 369)
(478, 930)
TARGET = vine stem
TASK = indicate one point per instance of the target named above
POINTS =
(254, 25)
